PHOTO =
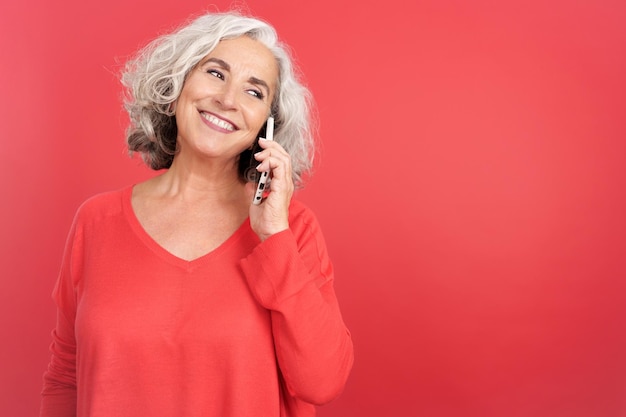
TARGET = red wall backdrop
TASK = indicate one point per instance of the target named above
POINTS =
(471, 185)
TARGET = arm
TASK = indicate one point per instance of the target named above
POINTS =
(59, 389)
(291, 275)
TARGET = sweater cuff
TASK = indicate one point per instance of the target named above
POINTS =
(274, 270)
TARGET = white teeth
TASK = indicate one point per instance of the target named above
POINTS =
(216, 121)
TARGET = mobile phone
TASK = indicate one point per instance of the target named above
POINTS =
(264, 177)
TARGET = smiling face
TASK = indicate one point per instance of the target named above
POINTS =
(226, 99)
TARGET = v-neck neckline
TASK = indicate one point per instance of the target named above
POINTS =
(166, 255)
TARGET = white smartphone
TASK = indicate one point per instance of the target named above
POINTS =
(260, 188)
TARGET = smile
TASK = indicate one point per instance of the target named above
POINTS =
(217, 121)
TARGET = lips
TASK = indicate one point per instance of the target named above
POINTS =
(221, 123)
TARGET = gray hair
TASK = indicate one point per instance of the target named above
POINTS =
(155, 78)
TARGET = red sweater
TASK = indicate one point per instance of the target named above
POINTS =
(249, 330)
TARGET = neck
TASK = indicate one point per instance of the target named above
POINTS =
(206, 180)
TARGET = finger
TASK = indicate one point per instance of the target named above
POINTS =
(271, 159)
(278, 166)
(272, 146)
(277, 153)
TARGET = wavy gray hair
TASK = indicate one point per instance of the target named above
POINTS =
(155, 78)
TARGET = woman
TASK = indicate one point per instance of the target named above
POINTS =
(178, 296)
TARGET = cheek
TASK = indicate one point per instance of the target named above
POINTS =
(260, 119)
(183, 109)
(257, 131)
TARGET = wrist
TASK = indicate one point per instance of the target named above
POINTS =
(264, 236)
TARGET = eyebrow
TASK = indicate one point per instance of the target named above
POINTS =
(252, 80)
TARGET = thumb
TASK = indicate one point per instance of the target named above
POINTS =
(250, 189)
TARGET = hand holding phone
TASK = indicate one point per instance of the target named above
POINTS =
(260, 188)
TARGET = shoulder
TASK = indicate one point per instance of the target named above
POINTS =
(92, 216)
(303, 222)
(299, 212)
(103, 205)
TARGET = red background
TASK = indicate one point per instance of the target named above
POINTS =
(471, 186)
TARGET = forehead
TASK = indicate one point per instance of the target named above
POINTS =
(248, 56)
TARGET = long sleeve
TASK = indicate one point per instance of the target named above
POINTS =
(59, 389)
(291, 275)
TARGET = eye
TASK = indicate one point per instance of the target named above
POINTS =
(256, 93)
(215, 73)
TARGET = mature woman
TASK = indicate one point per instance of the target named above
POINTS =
(178, 296)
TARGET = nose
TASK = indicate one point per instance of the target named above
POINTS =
(226, 97)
